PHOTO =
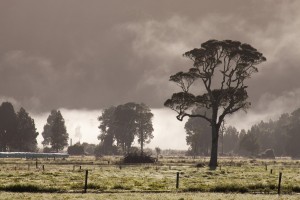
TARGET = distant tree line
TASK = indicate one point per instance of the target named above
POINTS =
(121, 125)
(282, 136)
(18, 131)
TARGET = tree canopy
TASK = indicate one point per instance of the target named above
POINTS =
(8, 126)
(26, 131)
(122, 124)
(222, 68)
(55, 132)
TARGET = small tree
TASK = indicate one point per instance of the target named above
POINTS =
(55, 132)
(222, 67)
(158, 151)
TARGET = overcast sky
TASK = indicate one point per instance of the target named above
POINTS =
(83, 56)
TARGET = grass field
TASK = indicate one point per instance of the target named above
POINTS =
(107, 179)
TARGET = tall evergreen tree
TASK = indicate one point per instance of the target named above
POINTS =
(26, 131)
(8, 127)
(55, 132)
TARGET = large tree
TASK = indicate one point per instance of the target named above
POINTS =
(222, 67)
(55, 132)
(122, 124)
(125, 126)
(26, 131)
(8, 127)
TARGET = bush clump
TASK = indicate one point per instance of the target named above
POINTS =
(138, 158)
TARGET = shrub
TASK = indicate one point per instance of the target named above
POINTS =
(76, 149)
(137, 158)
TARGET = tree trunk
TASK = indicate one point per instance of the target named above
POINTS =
(213, 163)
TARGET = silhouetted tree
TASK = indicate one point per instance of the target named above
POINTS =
(198, 134)
(55, 132)
(125, 126)
(222, 67)
(26, 131)
(8, 127)
(122, 124)
(107, 130)
(144, 125)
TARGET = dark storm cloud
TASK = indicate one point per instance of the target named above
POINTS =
(92, 54)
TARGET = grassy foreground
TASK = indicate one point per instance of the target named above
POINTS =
(143, 196)
(65, 178)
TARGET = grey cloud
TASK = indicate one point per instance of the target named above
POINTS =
(93, 54)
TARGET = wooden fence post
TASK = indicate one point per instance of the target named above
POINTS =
(279, 182)
(177, 180)
(86, 180)
(36, 163)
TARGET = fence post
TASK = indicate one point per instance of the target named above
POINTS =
(86, 180)
(279, 182)
(271, 171)
(177, 180)
(43, 168)
(266, 167)
(36, 163)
